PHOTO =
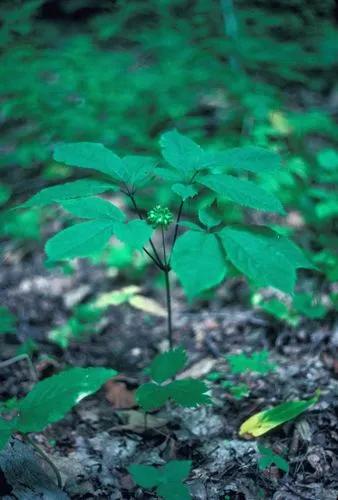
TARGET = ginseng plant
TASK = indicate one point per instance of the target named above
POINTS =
(200, 252)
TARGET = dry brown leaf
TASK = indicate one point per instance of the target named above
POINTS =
(118, 394)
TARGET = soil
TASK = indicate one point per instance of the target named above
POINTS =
(93, 446)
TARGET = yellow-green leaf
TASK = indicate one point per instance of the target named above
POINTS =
(264, 421)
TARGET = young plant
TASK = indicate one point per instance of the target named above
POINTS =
(187, 392)
(258, 362)
(48, 402)
(242, 364)
(200, 256)
(268, 457)
(168, 479)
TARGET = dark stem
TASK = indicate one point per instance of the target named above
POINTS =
(164, 249)
(157, 258)
(46, 458)
(169, 319)
(178, 218)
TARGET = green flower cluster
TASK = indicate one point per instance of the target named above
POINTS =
(160, 217)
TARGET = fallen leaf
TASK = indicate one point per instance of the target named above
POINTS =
(118, 394)
(116, 297)
(147, 305)
(199, 369)
(264, 421)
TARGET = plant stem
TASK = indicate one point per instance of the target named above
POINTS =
(178, 218)
(231, 29)
(46, 458)
(164, 249)
(169, 318)
(157, 258)
(166, 271)
(18, 358)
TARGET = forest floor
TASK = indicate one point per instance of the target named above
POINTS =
(104, 434)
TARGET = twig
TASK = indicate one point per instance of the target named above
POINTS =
(18, 358)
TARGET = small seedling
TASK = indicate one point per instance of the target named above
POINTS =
(268, 457)
(258, 362)
(242, 364)
(168, 479)
(238, 391)
(187, 392)
(48, 402)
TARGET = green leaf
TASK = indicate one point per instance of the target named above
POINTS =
(304, 304)
(167, 364)
(176, 470)
(91, 155)
(139, 169)
(145, 476)
(168, 174)
(151, 396)
(258, 362)
(6, 428)
(7, 320)
(135, 233)
(28, 347)
(181, 152)
(264, 421)
(9, 405)
(185, 191)
(243, 192)
(266, 257)
(80, 240)
(238, 391)
(191, 225)
(249, 158)
(198, 262)
(67, 191)
(208, 217)
(53, 397)
(173, 491)
(189, 392)
(93, 208)
(268, 457)
(276, 308)
(167, 479)
(290, 250)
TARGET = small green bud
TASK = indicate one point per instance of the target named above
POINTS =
(160, 217)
